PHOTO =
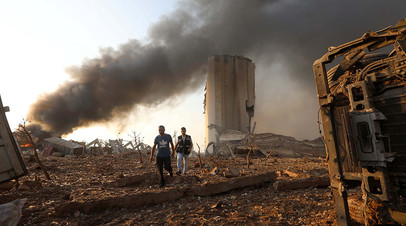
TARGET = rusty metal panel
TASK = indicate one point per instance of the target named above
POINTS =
(345, 141)
(11, 163)
(320, 77)
(333, 159)
(392, 103)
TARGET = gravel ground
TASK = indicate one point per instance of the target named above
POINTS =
(84, 180)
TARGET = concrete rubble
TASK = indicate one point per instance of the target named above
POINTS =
(234, 142)
(63, 146)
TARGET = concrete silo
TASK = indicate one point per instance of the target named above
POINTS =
(230, 96)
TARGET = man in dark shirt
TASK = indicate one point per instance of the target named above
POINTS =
(183, 147)
(163, 156)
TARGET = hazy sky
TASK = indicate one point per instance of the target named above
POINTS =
(41, 38)
(85, 52)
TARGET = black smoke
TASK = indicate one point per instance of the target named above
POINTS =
(282, 37)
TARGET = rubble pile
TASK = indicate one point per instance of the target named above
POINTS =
(235, 142)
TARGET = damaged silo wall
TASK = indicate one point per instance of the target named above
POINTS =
(230, 96)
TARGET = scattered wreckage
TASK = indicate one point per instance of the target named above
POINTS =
(363, 113)
(95, 148)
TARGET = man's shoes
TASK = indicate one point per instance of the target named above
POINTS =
(162, 184)
(178, 173)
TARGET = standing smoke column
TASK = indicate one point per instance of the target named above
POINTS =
(230, 96)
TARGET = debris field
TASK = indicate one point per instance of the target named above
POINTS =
(118, 189)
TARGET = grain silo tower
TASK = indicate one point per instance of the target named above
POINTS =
(230, 96)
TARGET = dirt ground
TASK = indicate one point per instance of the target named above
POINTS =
(119, 190)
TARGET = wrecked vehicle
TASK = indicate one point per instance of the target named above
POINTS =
(11, 163)
(362, 104)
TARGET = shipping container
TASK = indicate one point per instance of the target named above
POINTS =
(11, 163)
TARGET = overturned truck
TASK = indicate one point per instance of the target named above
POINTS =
(363, 111)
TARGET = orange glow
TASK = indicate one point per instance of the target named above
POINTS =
(25, 145)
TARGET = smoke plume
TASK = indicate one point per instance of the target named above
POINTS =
(283, 38)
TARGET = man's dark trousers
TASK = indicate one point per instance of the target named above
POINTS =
(163, 162)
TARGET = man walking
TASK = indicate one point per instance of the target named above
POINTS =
(163, 156)
(183, 147)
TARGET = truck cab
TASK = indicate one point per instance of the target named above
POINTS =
(362, 102)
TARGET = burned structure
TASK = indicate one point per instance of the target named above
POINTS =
(363, 111)
(230, 97)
